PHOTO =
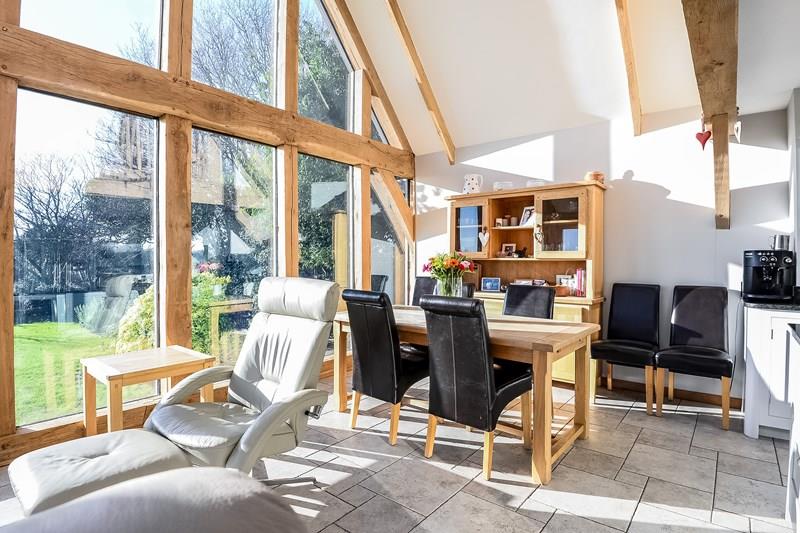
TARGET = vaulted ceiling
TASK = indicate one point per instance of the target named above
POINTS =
(518, 67)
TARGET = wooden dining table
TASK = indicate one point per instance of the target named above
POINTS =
(538, 342)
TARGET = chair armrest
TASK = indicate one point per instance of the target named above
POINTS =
(248, 451)
(193, 383)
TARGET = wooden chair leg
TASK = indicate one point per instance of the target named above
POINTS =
(354, 409)
(671, 386)
(726, 402)
(648, 388)
(394, 421)
(527, 416)
(431, 437)
(609, 376)
(659, 390)
(488, 450)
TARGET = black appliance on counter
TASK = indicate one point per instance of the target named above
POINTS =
(768, 275)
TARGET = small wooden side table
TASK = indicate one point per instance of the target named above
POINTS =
(117, 371)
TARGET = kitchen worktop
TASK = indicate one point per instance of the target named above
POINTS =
(778, 306)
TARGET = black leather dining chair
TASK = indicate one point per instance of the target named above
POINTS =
(632, 333)
(422, 285)
(467, 290)
(529, 301)
(378, 282)
(465, 387)
(698, 341)
(382, 367)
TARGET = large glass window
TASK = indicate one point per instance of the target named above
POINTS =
(83, 248)
(125, 28)
(232, 238)
(324, 69)
(324, 204)
(388, 254)
(233, 46)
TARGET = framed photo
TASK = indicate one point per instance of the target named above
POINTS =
(523, 282)
(490, 284)
(508, 248)
(528, 217)
(563, 279)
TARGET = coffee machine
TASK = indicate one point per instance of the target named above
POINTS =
(768, 276)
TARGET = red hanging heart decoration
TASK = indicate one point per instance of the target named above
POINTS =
(703, 137)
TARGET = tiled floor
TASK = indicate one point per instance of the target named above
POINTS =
(635, 473)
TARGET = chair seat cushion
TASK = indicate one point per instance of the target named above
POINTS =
(696, 361)
(419, 350)
(57, 474)
(622, 352)
(415, 366)
(208, 432)
(511, 379)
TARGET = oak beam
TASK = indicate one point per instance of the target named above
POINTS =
(288, 219)
(630, 65)
(288, 38)
(362, 234)
(712, 26)
(175, 231)
(422, 80)
(177, 38)
(9, 14)
(722, 193)
(43, 63)
(397, 209)
(357, 52)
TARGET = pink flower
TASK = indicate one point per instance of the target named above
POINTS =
(426, 267)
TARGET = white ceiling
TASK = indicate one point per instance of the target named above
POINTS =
(519, 67)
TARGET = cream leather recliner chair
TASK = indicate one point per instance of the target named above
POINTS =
(272, 386)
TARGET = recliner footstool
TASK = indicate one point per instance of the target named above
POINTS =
(57, 474)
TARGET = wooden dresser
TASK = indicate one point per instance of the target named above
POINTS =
(565, 234)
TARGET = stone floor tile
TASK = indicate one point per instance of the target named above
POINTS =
(4, 476)
(678, 499)
(339, 475)
(599, 499)
(616, 443)
(421, 486)
(282, 466)
(757, 526)
(667, 440)
(712, 437)
(333, 528)
(316, 507)
(676, 423)
(732, 521)
(649, 519)
(747, 497)
(369, 450)
(380, 514)
(782, 453)
(597, 463)
(536, 510)
(465, 512)
(666, 465)
(313, 441)
(453, 444)
(632, 478)
(702, 452)
(356, 495)
(569, 523)
(412, 421)
(509, 487)
(749, 468)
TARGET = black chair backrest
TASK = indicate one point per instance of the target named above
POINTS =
(422, 285)
(379, 282)
(376, 344)
(530, 301)
(634, 313)
(468, 290)
(462, 384)
(699, 317)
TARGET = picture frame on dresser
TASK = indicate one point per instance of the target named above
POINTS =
(490, 284)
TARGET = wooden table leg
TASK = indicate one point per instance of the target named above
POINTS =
(339, 367)
(542, 457)
(582, 385)
(114, 395)
(89, 403)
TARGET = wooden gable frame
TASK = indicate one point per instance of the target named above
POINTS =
(34, 61)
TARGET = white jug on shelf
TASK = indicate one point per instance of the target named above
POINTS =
(472, 183)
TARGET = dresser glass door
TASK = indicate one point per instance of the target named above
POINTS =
(469, 222)
(559, 231)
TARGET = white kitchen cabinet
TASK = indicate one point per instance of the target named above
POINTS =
(766, 391)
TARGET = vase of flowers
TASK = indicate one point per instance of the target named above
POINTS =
(448, 270)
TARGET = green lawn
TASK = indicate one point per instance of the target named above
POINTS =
(47, 370)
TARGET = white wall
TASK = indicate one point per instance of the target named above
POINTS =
(659, 211)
